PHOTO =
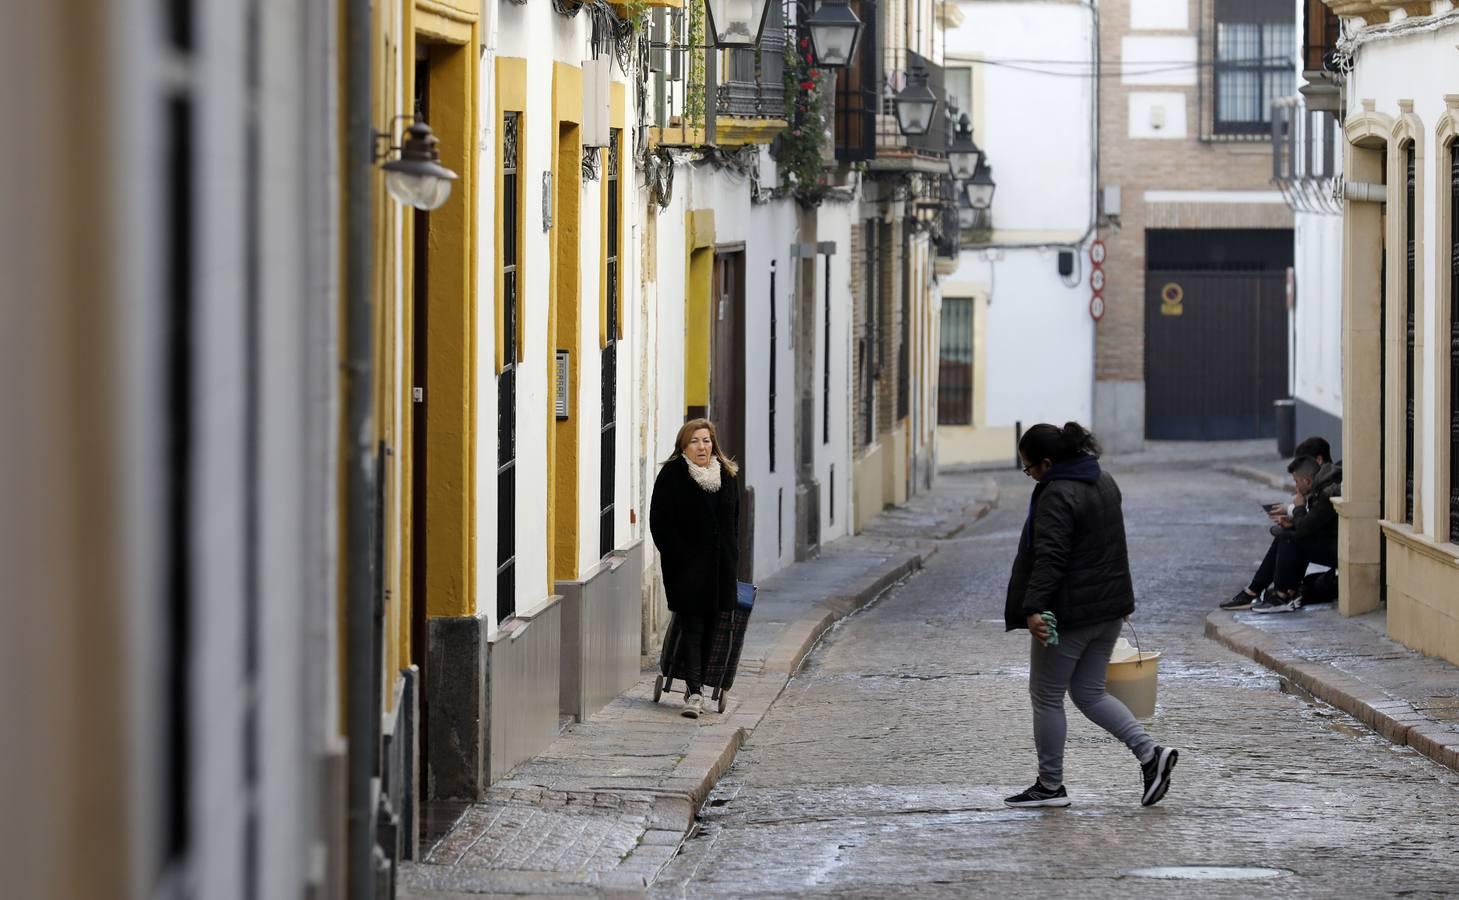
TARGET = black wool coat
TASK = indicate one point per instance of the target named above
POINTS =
(697, 533)
(1076, 564)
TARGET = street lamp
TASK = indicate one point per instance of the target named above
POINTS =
(980, 189)
(834, 31)
(965, 211)
(736, 23)
(964, 153)
(417, 177)
(915, 104)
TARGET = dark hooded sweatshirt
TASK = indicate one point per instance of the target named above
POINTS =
(1072, 559)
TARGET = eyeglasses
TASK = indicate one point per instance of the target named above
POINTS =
(1030, 466)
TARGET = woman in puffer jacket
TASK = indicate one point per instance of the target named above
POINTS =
(1072, 562)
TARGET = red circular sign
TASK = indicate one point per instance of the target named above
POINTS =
(1096, 307)
(1096, 279)
(1096, 253)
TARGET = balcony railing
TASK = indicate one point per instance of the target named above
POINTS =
(752, 85)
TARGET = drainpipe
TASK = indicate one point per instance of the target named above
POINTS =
(359, 457)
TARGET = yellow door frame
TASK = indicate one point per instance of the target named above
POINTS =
(564, 331)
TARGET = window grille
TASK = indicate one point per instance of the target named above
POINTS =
(609, 457)
(506, 446)
(826, 364)
(1409, 336)
(1253, 64)
(1454, 342)
(774, 363)
(955, 365)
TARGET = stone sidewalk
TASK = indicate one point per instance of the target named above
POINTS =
(1409, 698)
(606, 807)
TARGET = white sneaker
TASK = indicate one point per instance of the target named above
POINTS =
(693, 706)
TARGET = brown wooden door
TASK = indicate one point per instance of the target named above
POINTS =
(727, 385)
(1215, 354)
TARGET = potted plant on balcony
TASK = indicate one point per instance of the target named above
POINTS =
(801, 150)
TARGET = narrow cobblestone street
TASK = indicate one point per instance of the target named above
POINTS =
(881, 769)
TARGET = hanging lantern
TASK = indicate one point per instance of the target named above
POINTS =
(915, 104)
(964, 153)
(736, 23)
(417, 178)
(980, 189)
(834, 30)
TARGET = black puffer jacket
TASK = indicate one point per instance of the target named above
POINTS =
(697, 533)
(1072, 559)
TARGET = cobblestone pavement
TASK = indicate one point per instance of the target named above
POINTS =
(880, 771)
(607, 805)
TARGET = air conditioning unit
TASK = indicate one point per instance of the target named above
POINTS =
(597, 99)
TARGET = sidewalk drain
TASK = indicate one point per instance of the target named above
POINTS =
(1209, 873)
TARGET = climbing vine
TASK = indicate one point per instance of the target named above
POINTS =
(694, 89)
(802, 145)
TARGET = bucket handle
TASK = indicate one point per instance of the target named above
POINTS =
(1139, 654)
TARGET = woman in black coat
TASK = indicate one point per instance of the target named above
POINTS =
(695, 520)
(1071, 588)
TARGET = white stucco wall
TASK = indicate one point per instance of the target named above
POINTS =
(1043, 183)
(1039, 345)
(1317, 316)
(1422, 68)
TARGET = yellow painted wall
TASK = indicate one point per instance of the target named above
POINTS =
(564, 322)
(1423, 593)
(451, 368)
(698, 312)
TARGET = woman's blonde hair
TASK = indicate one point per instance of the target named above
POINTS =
(687, 432)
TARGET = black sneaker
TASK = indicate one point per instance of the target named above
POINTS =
(1242, 600)
(1157, 774)
(1038, 795)
(1274, 602)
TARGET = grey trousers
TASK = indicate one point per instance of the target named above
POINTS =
(1076, 666)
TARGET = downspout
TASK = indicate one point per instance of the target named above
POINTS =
(359, 455)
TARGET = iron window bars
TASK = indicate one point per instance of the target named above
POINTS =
(506, 447)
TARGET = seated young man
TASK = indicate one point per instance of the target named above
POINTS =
(1318, 481)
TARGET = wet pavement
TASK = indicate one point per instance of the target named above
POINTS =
(882, 767)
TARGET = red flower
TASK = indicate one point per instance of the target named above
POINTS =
(815, 73)
(805, 42)
(809, 59)
(807, 85)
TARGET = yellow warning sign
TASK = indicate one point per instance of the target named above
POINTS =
(1172, 296)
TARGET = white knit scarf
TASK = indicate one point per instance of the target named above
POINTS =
(707, 477)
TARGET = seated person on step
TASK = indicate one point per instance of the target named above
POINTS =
(1303, 533)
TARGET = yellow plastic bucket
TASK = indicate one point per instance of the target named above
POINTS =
(1130, 678)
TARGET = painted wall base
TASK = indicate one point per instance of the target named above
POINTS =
(962, 445)
(807, 520)
(1315, 422)
(601, 633)
(1357, 557)
(1119, 415)
(895, 484)
(868, 477)
(525, 662)
(456, 695)
(1423, 593)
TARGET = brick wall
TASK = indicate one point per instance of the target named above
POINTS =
(1140, 165)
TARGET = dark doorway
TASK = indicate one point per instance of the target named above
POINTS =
(727, 385)
(1216, 348)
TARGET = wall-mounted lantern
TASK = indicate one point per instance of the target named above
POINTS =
(915, 104)
(736, 23)
(834, 29)
(964, 153)
(416, 177)
(980, 189)
(966, 214)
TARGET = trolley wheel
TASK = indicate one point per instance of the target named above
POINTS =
(658, 688)
(723, 700)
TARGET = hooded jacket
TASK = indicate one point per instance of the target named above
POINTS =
(1317, 520)
(1072, 559)
(697, 533)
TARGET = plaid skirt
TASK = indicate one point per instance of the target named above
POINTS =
(727, 639)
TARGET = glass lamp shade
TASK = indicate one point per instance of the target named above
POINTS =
(834, 30)
(417, 178)
(915, 104)
(980, 189)
(965, 213)
(964, 153)
(736, 23)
